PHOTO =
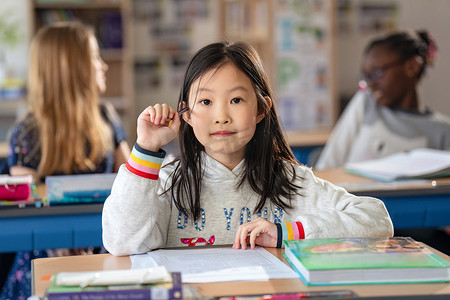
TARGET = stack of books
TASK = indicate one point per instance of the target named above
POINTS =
(150, 283)
(80, 188)
(365, 260)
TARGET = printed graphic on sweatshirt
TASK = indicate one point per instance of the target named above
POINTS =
(191, 242)
(244, 216)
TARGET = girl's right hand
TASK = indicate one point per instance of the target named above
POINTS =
(257, 232)
(153, 130)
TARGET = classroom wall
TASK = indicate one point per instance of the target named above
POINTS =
(435, 87)
(17, 57)
(415, 14)
(430, 14)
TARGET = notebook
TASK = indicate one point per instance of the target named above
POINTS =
(415, 164)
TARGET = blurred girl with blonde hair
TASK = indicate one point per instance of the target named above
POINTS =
(67, 130)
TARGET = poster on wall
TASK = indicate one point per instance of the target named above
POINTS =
(303, 45)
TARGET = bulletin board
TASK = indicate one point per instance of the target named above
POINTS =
(304, 51)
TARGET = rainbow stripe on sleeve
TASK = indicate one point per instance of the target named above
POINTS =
(292, 230)
(145, 163)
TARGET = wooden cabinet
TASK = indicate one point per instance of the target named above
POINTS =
(111, 20)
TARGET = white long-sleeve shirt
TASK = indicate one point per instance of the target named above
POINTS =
(137, 217)
(367, 130)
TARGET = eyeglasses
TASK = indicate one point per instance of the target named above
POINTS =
(378, 73)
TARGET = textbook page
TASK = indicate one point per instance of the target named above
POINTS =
(216, 264)
(418, 163)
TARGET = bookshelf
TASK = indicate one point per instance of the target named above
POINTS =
(111, 20)
(296, 42)
(251, 21)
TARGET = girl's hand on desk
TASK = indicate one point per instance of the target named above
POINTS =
(257, 232)
(156, 126)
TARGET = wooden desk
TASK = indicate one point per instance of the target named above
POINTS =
(73, 226)
(410, 206)
(67, 226)
(305, 143)
(307, 138)
(43, 267)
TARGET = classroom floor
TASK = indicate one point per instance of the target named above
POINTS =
(436, 238)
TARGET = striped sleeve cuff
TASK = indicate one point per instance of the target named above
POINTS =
(145, 163)
(292, 231)
(279, 235)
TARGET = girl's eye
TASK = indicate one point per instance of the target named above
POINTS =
(236, 100)
(205, 102)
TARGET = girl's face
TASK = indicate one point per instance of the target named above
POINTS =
(223, 113)
(384, 72)
(100, 66)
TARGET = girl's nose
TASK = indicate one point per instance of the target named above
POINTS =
(222, 116)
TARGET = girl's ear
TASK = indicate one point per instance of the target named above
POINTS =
(187, 118)
(266, 110)
(184, 111)
(412, 66)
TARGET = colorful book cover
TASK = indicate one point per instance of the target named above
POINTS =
(80, 188)
(160, 290)
(365, 260)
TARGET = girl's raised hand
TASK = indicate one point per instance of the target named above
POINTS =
(257, 232)
(156, 126)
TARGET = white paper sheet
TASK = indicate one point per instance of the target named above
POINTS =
(216, 264)
(417, 163)
(111, 277)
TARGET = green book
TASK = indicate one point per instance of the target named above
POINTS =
(365, 261)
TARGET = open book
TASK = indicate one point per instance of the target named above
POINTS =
(418, 163)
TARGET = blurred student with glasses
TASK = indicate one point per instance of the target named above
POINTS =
(385, 116)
